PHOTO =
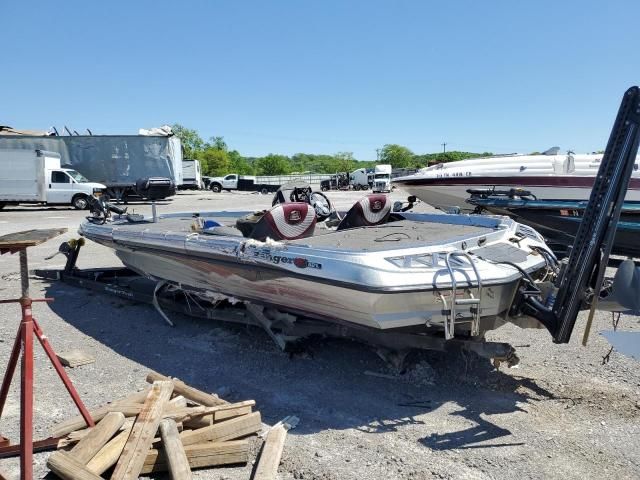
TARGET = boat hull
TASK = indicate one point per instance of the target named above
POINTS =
(323, 300)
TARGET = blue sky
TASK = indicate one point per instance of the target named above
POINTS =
(325, 76)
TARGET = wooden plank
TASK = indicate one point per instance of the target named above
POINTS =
(86, 448)
(29, 238)
(144, 429)
(190, 393)
(174, 451)
(177, 402)
(68, 468)
(207, 420)
(223, 411)
(75, 358)
(78, 423)
(267, 468)
(209, 454)
(228, 430)
(108, 455)
(75, 437)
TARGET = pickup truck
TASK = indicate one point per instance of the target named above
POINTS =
(245, 183)
(35, 176)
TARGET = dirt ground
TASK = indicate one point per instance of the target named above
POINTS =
(561, 414)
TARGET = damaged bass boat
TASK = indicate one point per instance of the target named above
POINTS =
(400, 280)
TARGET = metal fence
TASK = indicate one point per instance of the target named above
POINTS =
(311, 178)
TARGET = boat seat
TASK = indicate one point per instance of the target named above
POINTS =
(373, 209)
(285, 221)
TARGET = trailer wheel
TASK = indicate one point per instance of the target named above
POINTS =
(216, 187)
(80, 202)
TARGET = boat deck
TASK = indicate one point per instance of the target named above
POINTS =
(391, 236)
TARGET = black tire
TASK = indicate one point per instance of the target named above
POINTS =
(2, 205)
(216, 187)
(264, 190)
(323, 189)
(80, 202)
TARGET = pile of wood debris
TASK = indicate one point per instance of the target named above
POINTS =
(194, 430)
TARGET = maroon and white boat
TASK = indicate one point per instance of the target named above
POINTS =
(549, 176)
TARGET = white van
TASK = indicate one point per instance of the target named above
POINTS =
(35, 176)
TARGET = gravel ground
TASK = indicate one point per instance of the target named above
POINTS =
(562, 413)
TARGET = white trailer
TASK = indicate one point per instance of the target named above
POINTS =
(360, 179)
(35, 176)
(191, 175)
(382, 178)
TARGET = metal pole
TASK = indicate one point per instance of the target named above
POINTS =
(24, 273)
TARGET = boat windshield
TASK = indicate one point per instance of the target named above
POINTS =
(77, 176)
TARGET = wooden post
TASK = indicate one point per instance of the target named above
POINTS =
(108, 455)
(144, 429)
(174, 451)
(99, 435)
(68, 468)
(271, 454)
(208, 454)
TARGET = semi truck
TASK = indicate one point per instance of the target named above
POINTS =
(120, 162)
(191, 175)
(246, 183)
(35, 176)
(382, 178)
(361, 179)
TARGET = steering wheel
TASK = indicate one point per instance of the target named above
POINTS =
(321, 205)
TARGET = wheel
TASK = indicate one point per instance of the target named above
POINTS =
(264, 190)
(2, 205)
(216, 187)
(356, 187)
(80, 202)
(323, 189)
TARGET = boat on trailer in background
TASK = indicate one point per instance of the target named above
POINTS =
(549, 176)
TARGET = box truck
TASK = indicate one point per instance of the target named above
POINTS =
(35, 176)
(191, 175)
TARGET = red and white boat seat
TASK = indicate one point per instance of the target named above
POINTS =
(370, 210)
(286, 221)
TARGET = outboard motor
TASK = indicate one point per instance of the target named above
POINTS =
(155, 188)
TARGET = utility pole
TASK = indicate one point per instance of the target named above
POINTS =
(444, 147)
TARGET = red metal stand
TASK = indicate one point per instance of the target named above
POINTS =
(24, 342)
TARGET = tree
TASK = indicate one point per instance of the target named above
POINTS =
(214, 162)
(191, 141)
(344, 161)
(238, 164)
(396, 155)
(273, 164)
(218, 143)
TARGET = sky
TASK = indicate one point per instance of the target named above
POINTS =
(325, 76)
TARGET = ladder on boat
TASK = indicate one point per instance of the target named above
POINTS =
(473, 301)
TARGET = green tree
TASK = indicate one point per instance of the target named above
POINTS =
(214, 162)
(239, 164)
(218, 143)
(344, 162)
(273, 164)
(396, 155)
(191, 141)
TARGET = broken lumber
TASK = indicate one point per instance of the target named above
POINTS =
(216, 413)
(188, 392)
(228, 430)
(75, 358)
(68, 468)
(177, 402)
(123, 405)
(144, 429)
(208, 454)
(99, 435)
(217, 416)
(108, 455)
(174, 451)
(267, 468)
